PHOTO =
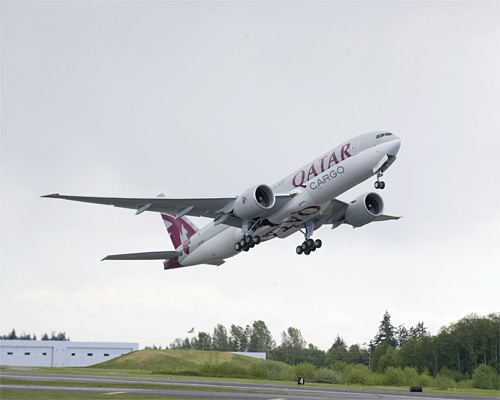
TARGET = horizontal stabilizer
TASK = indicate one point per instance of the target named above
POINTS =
(151, 255)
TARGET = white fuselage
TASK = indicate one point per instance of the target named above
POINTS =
(314, 186)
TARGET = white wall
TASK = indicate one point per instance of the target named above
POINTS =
(33, 353)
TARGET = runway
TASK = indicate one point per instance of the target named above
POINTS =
(198, 389)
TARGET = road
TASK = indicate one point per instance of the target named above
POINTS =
(203, 389)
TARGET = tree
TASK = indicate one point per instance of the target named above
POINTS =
(293, 345)
(238, 341)
(419, 331)
(357, 355)
(203, 341)
(220, 339)
(386, 332)
(337, 352)
(260, 338)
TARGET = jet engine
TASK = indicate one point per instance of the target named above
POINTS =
(254, 202)
(364, 209)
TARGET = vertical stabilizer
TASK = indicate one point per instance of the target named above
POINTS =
(180, 230)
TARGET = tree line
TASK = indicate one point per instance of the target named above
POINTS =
(12, 335)
(456, 351)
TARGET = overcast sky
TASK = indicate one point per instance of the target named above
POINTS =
(198, 99)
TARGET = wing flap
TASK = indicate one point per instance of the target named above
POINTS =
(150, 255)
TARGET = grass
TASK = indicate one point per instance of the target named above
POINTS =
(23, 395)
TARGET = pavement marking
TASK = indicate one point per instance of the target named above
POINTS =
(115, 393)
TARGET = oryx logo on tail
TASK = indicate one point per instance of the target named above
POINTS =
(180, 230)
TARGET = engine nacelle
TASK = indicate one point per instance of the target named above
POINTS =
(364, 209)
(254, 202)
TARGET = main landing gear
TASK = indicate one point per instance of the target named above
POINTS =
(379, 184)
(247, 243)
(309, 245)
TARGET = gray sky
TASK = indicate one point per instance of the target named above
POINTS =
(197, 99)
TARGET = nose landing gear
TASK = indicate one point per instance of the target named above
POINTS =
(379, 184)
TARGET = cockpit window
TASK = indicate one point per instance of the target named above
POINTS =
(383, 134)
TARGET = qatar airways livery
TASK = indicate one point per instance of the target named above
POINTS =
(302, 201)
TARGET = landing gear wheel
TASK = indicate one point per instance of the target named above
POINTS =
(304, 246)
(251, 245)
(307, 252)
(318, 243)
(246, 248)
(382, 185)
(248, 239)
(299, 250)
(377, 185)
(310, 243)
(243, 243)
(237, 246)
(256, 239)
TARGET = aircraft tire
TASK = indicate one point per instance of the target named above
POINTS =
(304, 246)
(307, 252)
(243, 243)
(310, 243)
(382, 185)
(251, 245)
(237, 246)
(377, 185)
(248, 239)
(256, 239)
(246, 248)
(318, 243)
(299, 250)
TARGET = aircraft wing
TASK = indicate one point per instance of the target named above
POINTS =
(216, 207)
(151, 255)
(335, 214)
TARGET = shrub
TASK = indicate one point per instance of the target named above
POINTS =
(224, 369)
(485, 377)
(394, 377)
(305, 370)
(443, 382)
(177, 371)
(452, 374)
(357, 374)
(425, 379)
(325, 375)
(279, 372)
(411, 376)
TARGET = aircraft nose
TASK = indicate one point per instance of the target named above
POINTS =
(395, 145)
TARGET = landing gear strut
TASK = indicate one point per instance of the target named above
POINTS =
(379, 184)
(309, 245)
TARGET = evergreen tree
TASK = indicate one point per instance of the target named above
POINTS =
(386, 333)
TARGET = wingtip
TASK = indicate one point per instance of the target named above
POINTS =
(51, 196)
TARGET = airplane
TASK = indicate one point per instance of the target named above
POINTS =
(302, 201)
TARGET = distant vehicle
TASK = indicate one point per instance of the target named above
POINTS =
(303, 201)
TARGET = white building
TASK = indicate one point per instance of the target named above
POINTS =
(51, 353)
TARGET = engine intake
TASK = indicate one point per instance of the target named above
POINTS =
(254, 202)
(364, 209)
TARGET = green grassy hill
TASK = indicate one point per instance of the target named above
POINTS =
(197, 363)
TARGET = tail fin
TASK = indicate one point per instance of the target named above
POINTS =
(179, 229)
